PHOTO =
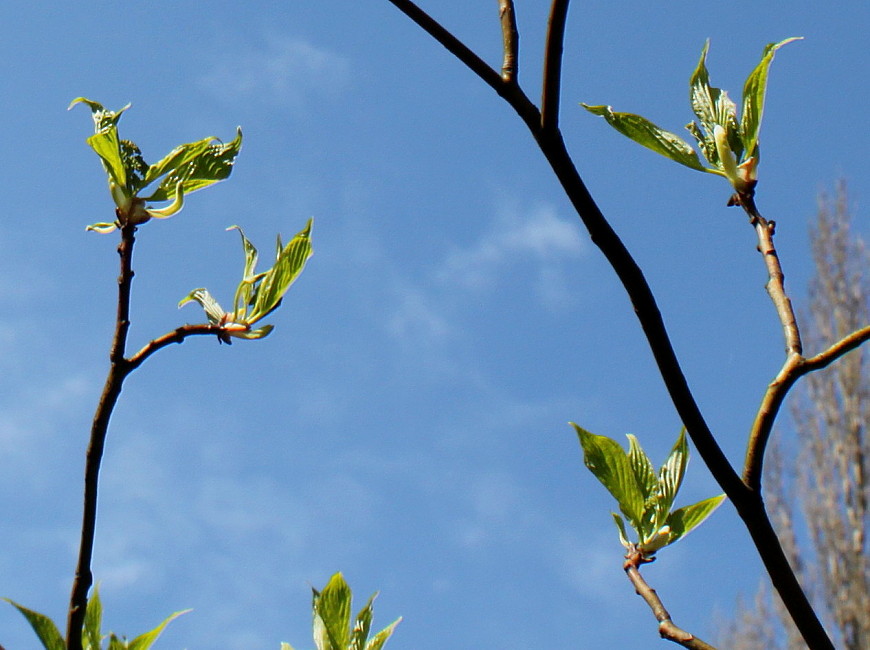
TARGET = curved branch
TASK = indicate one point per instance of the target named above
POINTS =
(176, 336)
(667, 628)
(553, 64)
(510, 67)
(795, 367)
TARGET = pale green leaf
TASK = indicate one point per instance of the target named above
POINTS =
(362, 625)
(332, 607)
(181, 155)
(245, 291)
(144, 641)
(212, 164)
(213, 310)
(701, 95)
(671, 477)
(250, 334)
(607, 460)
(712, 106)
(108, 148)
(102, 227)
(277, 280)
(286, 646)
(620, 525)
(644, 473)
(92, 638)
(43, 626)
(378, 640)
(754, 90)
(683, 520)
(644, 132)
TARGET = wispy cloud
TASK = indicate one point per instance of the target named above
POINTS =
(289, 71)
(537, 239)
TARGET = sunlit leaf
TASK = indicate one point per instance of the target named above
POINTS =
(642, 467)
(92, 638)
(378, 640)
(362, 625)
(671, 475)
(683, 520)
(144, 641)
(607, 460)
(212, 164)
(277, 280)
(644, 132)
(43, 626)
(332, 607)
(620, 525)
(213, 310)
(754, 90)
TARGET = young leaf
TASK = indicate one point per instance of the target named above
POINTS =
(644, 473)
(378, 640)
(671, 474)
(144, 641)
(702, 96)
(754, 90)
(362, 626)
(286, 646)
(209, 165)
(644, 132)
(44, 627)
(607, 460)
(92, 638)
(332, 608)
(278, 279)
(620, 525)
(213, 310)
(683, 520)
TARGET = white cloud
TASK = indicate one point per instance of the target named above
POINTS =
(536, 237)
(416, 317)
(289, 71)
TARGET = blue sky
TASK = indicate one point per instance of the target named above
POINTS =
(406, 422)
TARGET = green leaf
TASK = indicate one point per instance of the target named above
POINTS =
(620, 525)
(182, 155)
(92, 638)
(332, 608)
(378, 640)
(245, 291)
(286, 646)
(644, 132)
(607, 460)
(44, 627)
(713, 106)
(362, 625)
(754, 90)
(683, 520)
(642, 468)
(209, 165)
(277, 280)
(671, 477)
(144, 641)
(213, 310)
(108, 148)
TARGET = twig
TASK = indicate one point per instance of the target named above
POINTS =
(667, 628)
(553, 65)
(118, 370)
(120, 367)
(511, 38)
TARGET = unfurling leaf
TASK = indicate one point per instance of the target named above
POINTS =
(644, 132)
(43, 626)
(683, 520)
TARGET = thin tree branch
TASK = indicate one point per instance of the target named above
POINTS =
(118, 370)
(510, 67)
(176, 336)
(794, 368)
(553, 65)
(667, 628)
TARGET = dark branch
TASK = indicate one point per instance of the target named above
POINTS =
(553, 65)
(118, 371)
(176, 336)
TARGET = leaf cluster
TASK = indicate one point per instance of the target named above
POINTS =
(258, 294)
(728, 144)
(185, 169)
(92, 636)
(645, 497)
(332, 625)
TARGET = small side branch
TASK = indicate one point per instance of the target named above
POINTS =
(795, 367)
(511, 38)
(553, 65)
(667, 628)
(175, 336)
